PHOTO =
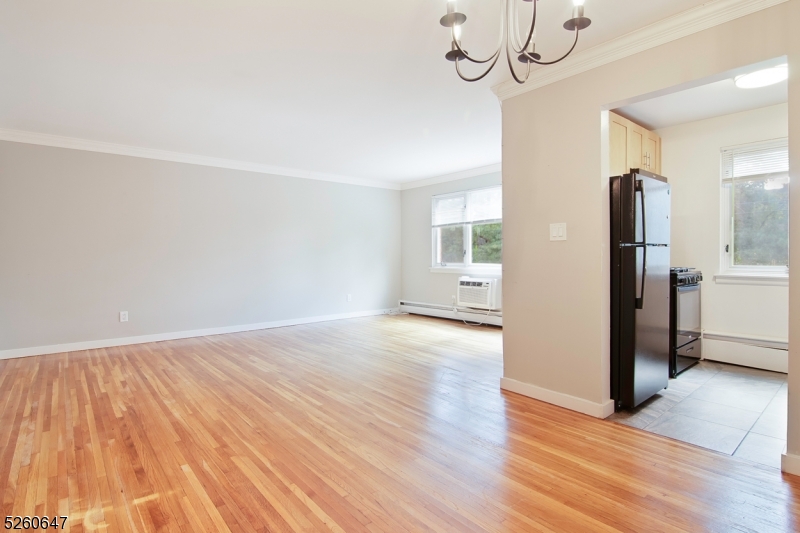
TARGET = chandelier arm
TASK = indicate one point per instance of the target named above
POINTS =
(513, 20)
(560, 58)
(492, 58)
(488, 70)
(511, 66)
(473, 60)
(530, 32)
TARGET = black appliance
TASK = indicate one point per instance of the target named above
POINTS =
(640, 238)
(685, 347)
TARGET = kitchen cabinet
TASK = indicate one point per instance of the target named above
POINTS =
(632, 146)
(652, 152)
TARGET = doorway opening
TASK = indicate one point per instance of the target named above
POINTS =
(722, 145)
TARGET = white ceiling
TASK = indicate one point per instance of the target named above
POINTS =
(706, 101)
(352, 88)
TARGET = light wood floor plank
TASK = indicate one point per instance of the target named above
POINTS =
(375, 424)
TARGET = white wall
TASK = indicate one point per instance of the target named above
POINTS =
(556, 308)
(419, 283)
(691, 160)
(181, 247)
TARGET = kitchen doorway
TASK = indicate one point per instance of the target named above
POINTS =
(723, 148)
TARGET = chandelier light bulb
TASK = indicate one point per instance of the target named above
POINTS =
(762, 78)
(532, 44)
(578, 2)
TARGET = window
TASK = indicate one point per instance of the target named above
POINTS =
(467, 229)
(755, 208)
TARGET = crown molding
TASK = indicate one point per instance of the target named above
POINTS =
(73, 143)
(669, 29)
(469, 173)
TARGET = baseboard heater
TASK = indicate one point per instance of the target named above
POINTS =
(754, 352)
(495, 318)
(775, 344)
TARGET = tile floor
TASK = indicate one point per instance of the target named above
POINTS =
(731, 409)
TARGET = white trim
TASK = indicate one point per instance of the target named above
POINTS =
(775, 280)
(158, 337)
(597, 410)
(463, 174)
(790, 463)
(664, 31)
(472, 271)
(73, 143)
(494, 318)
(746, 354)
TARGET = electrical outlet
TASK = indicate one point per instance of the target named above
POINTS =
(123, 316)
(349, 297)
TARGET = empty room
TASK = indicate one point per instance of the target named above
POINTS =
(432, 265)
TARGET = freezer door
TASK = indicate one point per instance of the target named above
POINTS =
(656, 195)
(651, 351)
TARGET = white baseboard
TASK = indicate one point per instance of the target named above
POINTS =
(494, 318)
(597, 410)
(790, 463)
(158, 337)
(739, 353)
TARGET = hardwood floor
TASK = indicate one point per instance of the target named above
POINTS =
(373, 424)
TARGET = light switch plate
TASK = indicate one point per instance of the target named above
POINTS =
(123, 316)
(558, 231)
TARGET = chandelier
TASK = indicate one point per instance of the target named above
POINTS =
(509, 30)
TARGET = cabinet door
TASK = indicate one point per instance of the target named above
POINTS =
(636, 136)
(618, 142)
(653, 152)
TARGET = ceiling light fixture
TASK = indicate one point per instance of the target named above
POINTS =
(509, 30)
(762, 78)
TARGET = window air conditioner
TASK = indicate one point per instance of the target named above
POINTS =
(479, 293)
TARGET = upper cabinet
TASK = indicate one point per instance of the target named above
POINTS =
(632, 146)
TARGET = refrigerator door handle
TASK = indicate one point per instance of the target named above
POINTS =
(639, 187)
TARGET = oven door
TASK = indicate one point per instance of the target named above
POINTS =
(688, 315)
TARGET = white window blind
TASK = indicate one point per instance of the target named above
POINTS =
(485, 205)
(449, 210)
(760, 161)
(471, 207)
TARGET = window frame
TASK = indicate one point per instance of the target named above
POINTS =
(466, 266)
(729, 272)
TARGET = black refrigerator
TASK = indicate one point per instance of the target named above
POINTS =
(640, 287)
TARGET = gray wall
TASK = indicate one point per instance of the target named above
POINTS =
(180, 247)
(419, 283)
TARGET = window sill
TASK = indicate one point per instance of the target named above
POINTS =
(753, 278)
(494, 272)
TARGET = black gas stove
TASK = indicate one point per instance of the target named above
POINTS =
(685, 329)
(685, 276)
